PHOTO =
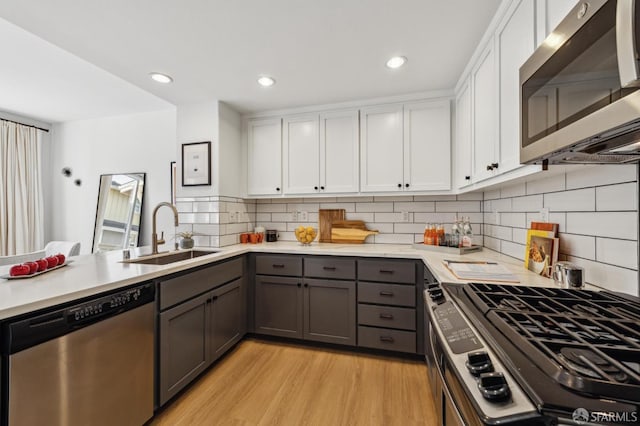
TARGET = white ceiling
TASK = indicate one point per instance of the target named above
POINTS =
(319, 52)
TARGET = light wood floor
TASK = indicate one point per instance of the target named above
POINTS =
(267, 383)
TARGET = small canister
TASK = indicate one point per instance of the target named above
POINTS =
(271, 235)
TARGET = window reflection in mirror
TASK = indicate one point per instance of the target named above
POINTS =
(118, 214)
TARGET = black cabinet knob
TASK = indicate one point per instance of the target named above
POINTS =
(399, 185)
(406, 185)
(299, 285)
(467, 178)
(277, 189)
(315, 187)
(494, 165)
(489, 167)
(322, 187)
(306, 285)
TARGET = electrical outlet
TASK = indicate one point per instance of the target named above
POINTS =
(404, 216)
(544, 214)
(303, 216)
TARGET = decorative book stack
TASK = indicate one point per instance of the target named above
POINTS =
(542, 248)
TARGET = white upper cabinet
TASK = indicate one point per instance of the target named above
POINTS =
(339, 139)
(301, 153)
(485, 115)
(427, 146)
(381, 155)
(264, 152)
(515, 41)
(462, 146)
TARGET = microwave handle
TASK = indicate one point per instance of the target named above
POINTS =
(626, 43)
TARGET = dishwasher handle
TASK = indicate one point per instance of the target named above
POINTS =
(33, 330)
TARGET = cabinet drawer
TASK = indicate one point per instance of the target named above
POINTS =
(387, 294)
(392, 340)
(387, 271)
(190, 284)
(279, 265)
(330, 267)
(387, 316)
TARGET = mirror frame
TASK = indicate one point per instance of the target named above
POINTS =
(102, 200)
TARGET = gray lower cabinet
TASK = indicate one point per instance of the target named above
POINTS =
(183, 345)
(196, 327)
(330, 311)
(278, 306)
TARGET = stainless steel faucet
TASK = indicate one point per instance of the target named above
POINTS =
(155, 242)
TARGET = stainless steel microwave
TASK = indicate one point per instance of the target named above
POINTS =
(580, 90)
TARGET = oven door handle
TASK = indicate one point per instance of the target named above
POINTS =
(626, 43)
(445, 388)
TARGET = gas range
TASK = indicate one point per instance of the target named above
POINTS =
(533, 355)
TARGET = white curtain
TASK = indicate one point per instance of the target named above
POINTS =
(21, 203)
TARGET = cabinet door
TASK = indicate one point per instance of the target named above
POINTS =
(301, 154)
(330, 311)
(264, 168)
(339, 147)
(184, 346)
(427, 146)
(485, 114)
(381, 155)
(462, 144)
(278, 306)
(226, 318)
(516, 42)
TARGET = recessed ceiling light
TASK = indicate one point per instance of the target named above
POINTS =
(161, 78)
(396, 62)
(265, 81)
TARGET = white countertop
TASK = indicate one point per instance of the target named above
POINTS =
(88, 275)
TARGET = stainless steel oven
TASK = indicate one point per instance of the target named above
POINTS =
(580, 90)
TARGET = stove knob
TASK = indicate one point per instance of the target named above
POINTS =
(435, 294)
(478, 363)
(494, 387)
(432, 286)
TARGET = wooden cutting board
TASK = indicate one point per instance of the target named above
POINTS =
(350, 235)
(326, 217)
(355, 224)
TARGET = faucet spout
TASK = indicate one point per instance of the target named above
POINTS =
(154, 237)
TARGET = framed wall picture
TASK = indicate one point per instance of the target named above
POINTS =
(196, 164)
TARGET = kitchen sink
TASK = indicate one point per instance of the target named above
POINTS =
(166, 258)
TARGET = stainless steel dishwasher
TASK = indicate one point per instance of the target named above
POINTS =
(86, 364)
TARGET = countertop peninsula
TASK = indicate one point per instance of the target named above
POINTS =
(91, 274)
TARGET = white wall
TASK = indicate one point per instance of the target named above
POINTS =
(124, 144)
(230, 143)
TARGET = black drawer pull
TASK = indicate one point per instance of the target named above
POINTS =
(387, 339)
(214, 298)
(386, 316)
(329, 268)
(386, 271)
(386, 293)
(278, 265)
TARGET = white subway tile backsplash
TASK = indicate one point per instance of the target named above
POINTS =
(571, 201)
(578, 245)
(500, 232)
(520, 235)
(529, 203)
(617, 252)
(551, 183)
(208, 229)
(367, 217)
(384, 228)
(607, 276)
(263, 217)
(486, 205)
(408, 228)
(503, 205)
(374, 207)
(184, 207)
(604, 224)
(458, 206)
(494, 194)
(305, 207)
(491, 219)
(468, 196)
(559, 218)
(393, 239)
(238, 228)
(282, 217)
(415, 206)
(441, 197)
(271, 208)
(348, 207)
(206, 207)
(617, 197)
(388, 217)
(514, 220)
(492, 243)
(513, 249)
(596, 175)
(393, 198)
(356, 199)
(229, 240)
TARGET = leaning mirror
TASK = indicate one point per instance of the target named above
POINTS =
(118, 214)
